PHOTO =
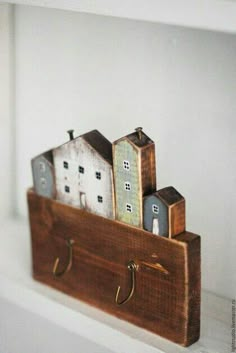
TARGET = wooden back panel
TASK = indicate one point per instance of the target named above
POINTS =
(167, 295)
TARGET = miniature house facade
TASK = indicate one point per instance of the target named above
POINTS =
(84, 178)
(164, 212)
(134, 175)
(44, 175)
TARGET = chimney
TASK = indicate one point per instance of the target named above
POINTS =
(139, 132)
(71, 134)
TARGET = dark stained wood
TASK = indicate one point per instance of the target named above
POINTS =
(177, 218)
(148, 169)
(166, 302)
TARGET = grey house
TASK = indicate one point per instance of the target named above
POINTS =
(164, 212)
(44, 174)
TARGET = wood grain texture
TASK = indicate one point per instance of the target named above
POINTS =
(167, 303)
(148, 169)
(177, 218)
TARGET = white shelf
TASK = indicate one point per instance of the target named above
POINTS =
(18, 287)
(216, 15)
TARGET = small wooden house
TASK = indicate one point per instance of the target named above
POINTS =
(164, 212)
(83, 169)
(134, 175)
(44, 174)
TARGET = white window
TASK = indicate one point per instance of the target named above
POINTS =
(42, 167)
(155, 209)
(43, 182)
(129, 207)
(126, 165)
(127, 186)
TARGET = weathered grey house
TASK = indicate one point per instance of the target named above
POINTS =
(164, 212)
(134, 175)
(83, 169)
(44, 174)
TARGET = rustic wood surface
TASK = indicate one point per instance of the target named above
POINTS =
(167, 296)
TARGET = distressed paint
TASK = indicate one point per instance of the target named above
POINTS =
(171, 212)
(43, 176)
(84, 188)
(149, 215)
(125, 151)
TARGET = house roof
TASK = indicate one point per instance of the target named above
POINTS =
(48, 155)
(99, 143)
(169, 195)
(138, 139)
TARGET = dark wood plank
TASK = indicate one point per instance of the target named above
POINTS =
(167, 296)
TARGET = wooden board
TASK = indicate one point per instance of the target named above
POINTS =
(166, 302)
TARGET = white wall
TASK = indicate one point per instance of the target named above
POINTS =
(6, 110)
(83, 71)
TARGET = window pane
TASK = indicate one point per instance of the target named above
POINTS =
(155, 208)
(128, 207)
(67, 189)
(98, 175)
(43, 182)
(100, 199)
(81, 169)
(42, 167)
(126, 165)
(127, 186)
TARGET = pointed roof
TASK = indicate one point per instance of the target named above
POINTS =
(138, 138)
(169, 195)
(48, 155)
(99, 143)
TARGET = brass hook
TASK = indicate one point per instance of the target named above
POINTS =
(133, 268)
(69, 243)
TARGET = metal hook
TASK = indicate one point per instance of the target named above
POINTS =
(133, 268)
(56, 273)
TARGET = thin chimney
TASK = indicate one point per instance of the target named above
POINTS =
(139, 132)
(71, 134)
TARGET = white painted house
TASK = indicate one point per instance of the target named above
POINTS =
(84, 177)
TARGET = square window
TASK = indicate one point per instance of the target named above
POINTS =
(66, 165)
(67, 189)
(127, 186)
(98, 175)
(126, 165)
(155, 209)
(81, 169)
(100, 199)
(129, 207)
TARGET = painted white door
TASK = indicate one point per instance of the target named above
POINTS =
(82, 200)
(155, 226)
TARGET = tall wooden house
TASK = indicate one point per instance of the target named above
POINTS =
(84, 177)
(44, 174)
(134, 175)
(164, 212)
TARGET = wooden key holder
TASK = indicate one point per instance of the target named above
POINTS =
(148, 280)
